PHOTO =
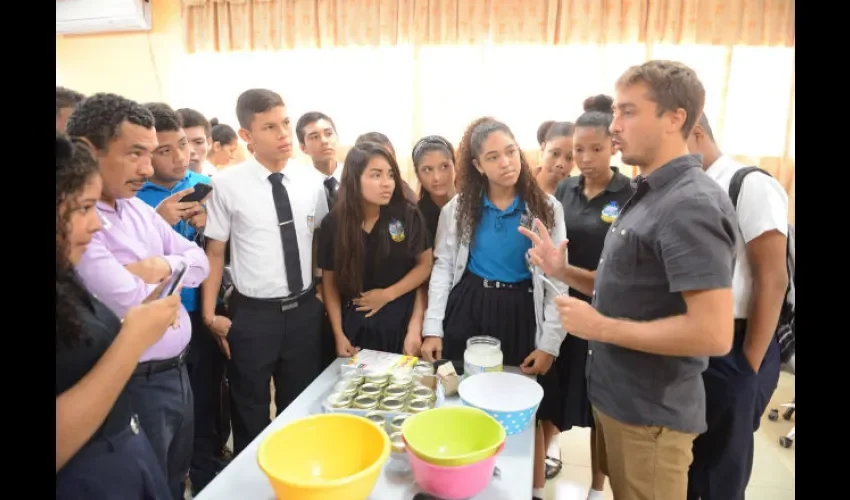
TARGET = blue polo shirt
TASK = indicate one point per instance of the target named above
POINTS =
(153, 194)
(499, 250)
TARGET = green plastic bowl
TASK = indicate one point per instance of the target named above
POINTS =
(452, 436)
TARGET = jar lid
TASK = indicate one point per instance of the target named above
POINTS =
(484, 340)
(365, 402)
(397, 442)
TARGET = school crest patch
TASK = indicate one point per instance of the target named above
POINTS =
(396, 230)
(610, 212)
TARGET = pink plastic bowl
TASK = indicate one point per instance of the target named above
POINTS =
(453, 483)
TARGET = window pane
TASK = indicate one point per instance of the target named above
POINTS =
(757, 102)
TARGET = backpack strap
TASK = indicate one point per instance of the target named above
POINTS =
(738, 180)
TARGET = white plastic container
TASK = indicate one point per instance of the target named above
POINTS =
(483, 354)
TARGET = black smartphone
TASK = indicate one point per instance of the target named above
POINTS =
(201, 192)
(174, 281)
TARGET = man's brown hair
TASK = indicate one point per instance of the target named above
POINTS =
(672, 85)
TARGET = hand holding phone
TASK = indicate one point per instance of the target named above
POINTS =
(201, 191)
(174, 282)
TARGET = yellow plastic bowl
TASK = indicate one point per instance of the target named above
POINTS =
(452, 436)
(324, 457)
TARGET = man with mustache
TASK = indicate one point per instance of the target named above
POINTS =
(172, 179)
(662, 293)
(124, 263)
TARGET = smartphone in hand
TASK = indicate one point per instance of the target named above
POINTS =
(174, 282)
(201, 191)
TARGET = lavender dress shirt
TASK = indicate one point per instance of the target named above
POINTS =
(133, 231)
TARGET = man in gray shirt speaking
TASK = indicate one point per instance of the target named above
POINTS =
(662, 293)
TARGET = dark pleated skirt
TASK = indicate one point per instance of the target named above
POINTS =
(565, 401)
(385, 331)
(505, 314)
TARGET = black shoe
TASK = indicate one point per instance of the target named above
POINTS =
(553, 467)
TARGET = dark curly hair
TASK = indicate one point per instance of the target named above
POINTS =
(99, 118)
(75, 166)
(472, 184)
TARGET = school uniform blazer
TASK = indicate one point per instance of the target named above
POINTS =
(452, 257)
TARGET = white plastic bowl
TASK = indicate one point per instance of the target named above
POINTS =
(510, 398)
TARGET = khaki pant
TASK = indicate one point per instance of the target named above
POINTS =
(643, 462)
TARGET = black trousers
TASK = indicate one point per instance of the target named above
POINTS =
(206, 366)
(736, 398)
(119, 467)
(269, 343)
(164, 404)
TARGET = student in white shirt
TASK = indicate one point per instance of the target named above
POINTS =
(739, 385)
(317, 138)
(268, 209)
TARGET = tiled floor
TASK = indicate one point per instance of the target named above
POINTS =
(773, 468)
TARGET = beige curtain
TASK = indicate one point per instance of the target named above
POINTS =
(433, 51)
(225, 25)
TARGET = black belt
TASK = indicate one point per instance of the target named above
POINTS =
(149, 368)
(282, 303)
(501, 285)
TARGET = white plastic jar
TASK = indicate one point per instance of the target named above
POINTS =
(483, 354)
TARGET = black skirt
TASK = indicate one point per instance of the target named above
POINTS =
(506, 314)
(385, 331)
(565, 401)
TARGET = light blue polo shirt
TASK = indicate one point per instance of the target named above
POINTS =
(153, 194)
(499, 249)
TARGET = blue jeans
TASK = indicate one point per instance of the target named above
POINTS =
(165, 408)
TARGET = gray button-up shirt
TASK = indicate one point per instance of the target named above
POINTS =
(676, 234)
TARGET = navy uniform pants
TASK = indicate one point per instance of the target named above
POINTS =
(736, 398)
(120, 467)
(163, 400)
(206, 366)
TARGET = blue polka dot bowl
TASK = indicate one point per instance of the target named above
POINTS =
(511, 398)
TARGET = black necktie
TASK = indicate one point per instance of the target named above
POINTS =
(331, 187)
(288, 236)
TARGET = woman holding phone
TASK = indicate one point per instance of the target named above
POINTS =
(101, 450)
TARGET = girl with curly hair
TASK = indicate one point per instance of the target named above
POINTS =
(481, 283)
(101, 451)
